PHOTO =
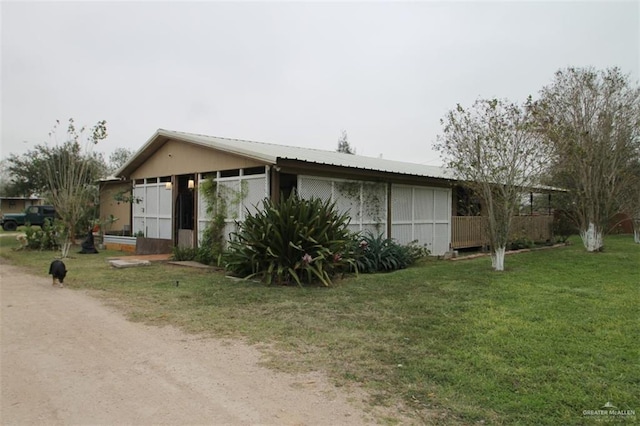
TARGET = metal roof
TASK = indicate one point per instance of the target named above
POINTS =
(271, 153)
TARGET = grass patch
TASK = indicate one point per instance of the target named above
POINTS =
(554, 335)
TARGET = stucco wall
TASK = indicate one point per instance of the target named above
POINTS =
(109, 206)
(175, 158)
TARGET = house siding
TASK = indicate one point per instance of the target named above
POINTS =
(177, 158)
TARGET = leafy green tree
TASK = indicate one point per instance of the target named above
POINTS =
(591, 121)
(492, 149)
(26, 173)
(29, 174)
(65, 174)
(5, 180)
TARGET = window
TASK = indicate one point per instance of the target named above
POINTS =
(230, 173)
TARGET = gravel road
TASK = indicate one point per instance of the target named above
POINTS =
(68, 359)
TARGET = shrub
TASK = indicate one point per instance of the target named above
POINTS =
(380, 254)
(520, 243)
(417, 251)
(182, 254)
(291, 241)
(563, 226)
(45, 238)
(211, 245)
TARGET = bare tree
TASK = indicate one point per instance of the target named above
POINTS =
(70, 172)
(118, 158)
(634, 210)
(630, 200)
(491, 148)
(591, 120)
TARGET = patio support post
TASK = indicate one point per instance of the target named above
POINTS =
(531, 203)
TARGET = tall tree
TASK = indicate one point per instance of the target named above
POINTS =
(118, 158)
(5, 179)
(630, 200)
(71, 173)
(591, 121)
(28, 173)
(492, 149)
(343, 144)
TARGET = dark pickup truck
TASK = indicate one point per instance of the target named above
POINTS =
(34, 215)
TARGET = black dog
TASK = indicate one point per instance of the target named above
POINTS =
(58, 271)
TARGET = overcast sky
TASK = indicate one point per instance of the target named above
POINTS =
(291, 73)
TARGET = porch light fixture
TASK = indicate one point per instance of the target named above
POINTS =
(191, 184)
(167, 185)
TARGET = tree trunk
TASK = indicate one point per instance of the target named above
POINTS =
(636, 236)
(64, 249)
(497, 258)
(592, 238)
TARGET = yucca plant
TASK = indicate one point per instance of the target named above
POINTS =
(291, 241)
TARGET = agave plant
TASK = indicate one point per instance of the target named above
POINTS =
(291, 241)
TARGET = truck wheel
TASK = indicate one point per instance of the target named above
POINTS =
(9, 226)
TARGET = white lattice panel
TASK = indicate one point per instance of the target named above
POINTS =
(152, 197)
(256, 193)
(164, 226)
(402, 204)
(309, 187)
(422, 204)
(140, 196)
(422, 214)
(240, 193)
(442, 205)
(374, 204)
(364, 202)
(152, 209)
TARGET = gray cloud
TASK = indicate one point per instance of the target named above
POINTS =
(291, 73)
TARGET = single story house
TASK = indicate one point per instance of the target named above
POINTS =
(18, 204)
(405, 201)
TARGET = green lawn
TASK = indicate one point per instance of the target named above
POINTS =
(455, 342)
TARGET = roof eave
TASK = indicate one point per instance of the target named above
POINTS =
(161, 136)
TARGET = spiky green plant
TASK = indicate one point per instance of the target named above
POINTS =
(379, 254)
(291, 241)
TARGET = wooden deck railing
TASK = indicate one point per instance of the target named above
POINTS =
(469, 231)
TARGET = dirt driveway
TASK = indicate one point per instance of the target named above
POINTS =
(66, 358)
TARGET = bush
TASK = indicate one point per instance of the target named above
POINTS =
(291, 241)
(45, 237)
(520, 243)
(417, 251)
(203, 254)
(379, 254)
(183, 254)
(210, 247)
(563, 227)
